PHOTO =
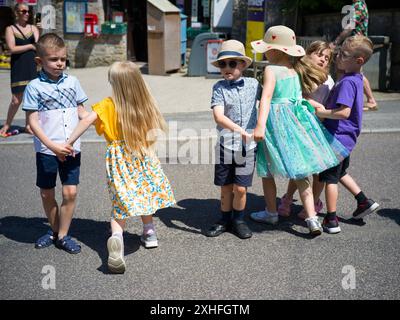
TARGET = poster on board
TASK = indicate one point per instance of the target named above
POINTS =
(74, 16)
(213, 47)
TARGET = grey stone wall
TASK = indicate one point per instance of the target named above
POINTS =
(87, 52)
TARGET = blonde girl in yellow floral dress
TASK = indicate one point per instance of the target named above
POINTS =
(136, 181)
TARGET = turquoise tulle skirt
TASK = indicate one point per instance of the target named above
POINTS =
(296, 143)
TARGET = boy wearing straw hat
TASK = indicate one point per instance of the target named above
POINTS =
(234, 104)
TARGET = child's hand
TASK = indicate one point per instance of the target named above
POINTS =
(246, 137)
(259, 133)
(62, 150)
(317, 106)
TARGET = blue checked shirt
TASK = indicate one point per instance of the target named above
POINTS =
(239, 99)
(57, 105)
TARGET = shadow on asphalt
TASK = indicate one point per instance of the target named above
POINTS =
(91, 233)
(393, 214)
(197, 215)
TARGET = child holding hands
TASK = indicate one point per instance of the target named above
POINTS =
(136, 181)
(234, 105)
(292, 141)
(343, 119)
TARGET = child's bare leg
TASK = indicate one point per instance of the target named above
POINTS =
(50, 207)
(269, 188)
(348, 182)
(67, 208)
(227, 198)
(371, 102)
(147, 219)
(285, 204)
(306, 196)
(291, 189)
(318, 186)
(317, 190)
(239, 227)
(239, 197)
(117, 226)
(331, 195)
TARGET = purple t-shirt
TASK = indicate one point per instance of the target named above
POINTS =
(348, 91)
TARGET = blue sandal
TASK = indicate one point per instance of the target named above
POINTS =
(46, 241)
(68, 245)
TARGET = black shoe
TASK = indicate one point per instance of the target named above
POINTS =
(240, 228)
(217, 229)
(365, 208)
(331, 226)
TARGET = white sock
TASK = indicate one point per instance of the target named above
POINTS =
(271, 213)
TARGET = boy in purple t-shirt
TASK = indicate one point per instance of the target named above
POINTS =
(343, 117)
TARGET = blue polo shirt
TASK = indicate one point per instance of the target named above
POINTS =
(57, 106)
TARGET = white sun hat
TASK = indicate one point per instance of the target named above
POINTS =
(280, 38)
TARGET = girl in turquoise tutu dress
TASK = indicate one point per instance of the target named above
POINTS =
(292, 142)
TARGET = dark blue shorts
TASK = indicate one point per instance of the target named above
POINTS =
(48, 166)
(334, 174)
(234, 167)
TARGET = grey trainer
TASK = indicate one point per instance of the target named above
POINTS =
(149, 240)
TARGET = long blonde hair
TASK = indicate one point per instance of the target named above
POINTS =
(311, 76)
(137, 112)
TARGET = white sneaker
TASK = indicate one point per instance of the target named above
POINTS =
(149, 240)
(314, 226)
(264, 217)
(116, 262)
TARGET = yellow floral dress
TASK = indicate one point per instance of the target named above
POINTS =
(137, 186)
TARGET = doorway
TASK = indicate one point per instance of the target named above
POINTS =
(136, 16)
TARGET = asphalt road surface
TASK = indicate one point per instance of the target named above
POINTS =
(282, 262)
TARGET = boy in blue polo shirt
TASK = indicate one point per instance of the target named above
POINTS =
(234, 105)
(53, 102)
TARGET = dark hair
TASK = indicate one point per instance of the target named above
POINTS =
(47, 41)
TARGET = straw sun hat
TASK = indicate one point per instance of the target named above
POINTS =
(280, 38)
(232, 49)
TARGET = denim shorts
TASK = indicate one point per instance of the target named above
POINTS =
(47, 167)
(234, 167)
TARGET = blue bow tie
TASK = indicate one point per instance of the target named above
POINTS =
(237, 83)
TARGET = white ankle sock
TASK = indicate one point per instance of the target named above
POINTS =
(271, 213)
